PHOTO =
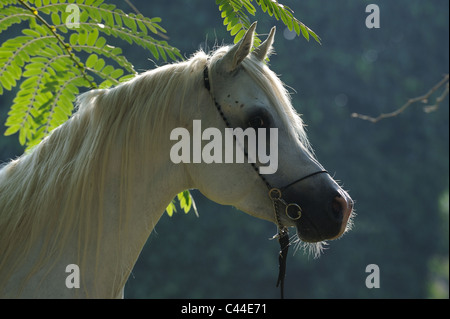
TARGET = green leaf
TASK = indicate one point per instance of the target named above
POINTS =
(55, 18)
(73, 39)
(101, 41)
(239, 36)
(91, 60)
(12, 129)
(31, 72)
(129, 23)
(154, 51)
(250, 8)
(304, 31)
(184, 200)
(92, 38)
(22, 135)
(118, 19)
(170, 209)
(163, 53)
(108, 69)
(99, 64)
(82, 37)
(235, 29)
(32, 33)
(297, 28)
(116, 73)
(7, 81)
(143, 27)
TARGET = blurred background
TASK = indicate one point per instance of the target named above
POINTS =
(397, 170)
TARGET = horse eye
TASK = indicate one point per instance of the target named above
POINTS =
(256, 122)
(260, 120)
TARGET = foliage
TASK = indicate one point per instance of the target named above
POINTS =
(48, 56)
(235, 17)
(185, 201)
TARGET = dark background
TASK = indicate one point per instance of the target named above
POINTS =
(396, 170)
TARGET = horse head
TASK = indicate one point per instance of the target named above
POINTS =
(244, 93)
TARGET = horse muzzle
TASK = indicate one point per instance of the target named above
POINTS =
(319, 213)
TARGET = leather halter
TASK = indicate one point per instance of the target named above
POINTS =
(292, 210)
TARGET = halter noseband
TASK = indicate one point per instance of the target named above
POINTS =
(292, 210)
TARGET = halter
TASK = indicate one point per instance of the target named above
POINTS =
(293, 211)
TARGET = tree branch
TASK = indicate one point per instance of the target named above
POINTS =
(132, 6)
(423, 98)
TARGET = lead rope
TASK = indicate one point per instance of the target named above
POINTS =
(283, 240)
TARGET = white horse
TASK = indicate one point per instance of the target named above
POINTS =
(91, 193)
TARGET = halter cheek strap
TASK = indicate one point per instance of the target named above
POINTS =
(292, 210)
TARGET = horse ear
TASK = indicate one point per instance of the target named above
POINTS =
(231, 60)
(265, 48)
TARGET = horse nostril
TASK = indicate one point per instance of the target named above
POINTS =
(337, 207)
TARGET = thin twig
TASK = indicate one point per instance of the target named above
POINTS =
(423, 98)
(132, 6)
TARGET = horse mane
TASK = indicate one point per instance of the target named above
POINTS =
(54, 189)
(51, 193)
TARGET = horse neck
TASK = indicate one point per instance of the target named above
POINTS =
(141, 181)
(130, 215)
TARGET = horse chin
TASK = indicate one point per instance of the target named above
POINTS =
(311, 248)
(308, 233)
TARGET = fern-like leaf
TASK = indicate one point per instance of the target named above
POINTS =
(235, 17)
(54, 62)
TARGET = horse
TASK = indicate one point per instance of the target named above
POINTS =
(91, 192)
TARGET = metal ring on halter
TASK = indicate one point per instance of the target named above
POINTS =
(293, 211)
(277, 194)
